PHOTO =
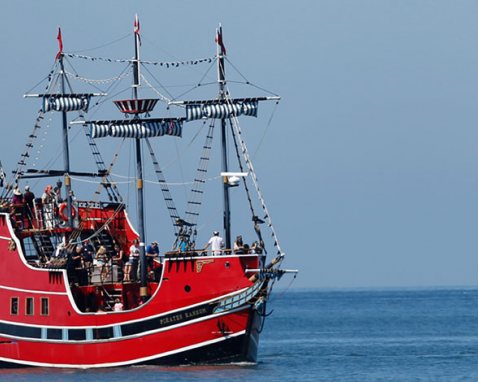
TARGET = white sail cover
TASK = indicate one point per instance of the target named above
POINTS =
(136, 129)
(66, 102)
(223, 109)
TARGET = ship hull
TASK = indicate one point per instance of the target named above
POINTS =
(230, 337)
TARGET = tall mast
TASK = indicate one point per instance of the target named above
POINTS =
(221, 52)
(66, 150)
(139, 167)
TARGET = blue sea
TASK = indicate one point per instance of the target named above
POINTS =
(340, 335)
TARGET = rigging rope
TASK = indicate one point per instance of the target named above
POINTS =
(107, 183)
(196, 195)
(102, 82)
(257, 228)
(167, 64)
(247, 159)
(173, 213)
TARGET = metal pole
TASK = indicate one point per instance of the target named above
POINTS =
(222, 96)
(66, 151)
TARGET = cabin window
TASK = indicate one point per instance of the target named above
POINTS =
(14, 306)
(29, 306)
(45, 306)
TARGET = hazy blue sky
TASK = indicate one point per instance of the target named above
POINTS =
(370, 166)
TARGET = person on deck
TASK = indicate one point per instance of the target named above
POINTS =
(216, 243)
(238, 246)
(17, 196)
(29, 198)
(47, 200)
(134, 253)
(17, 208)
(152, 252)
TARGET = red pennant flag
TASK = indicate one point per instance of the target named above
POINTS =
(60, 43)
(136, 28)
(219, 41)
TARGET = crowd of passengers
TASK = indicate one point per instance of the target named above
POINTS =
(45, 212)
(82, 262)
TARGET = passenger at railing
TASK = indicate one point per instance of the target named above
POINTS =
(152, 252)
(75, 265)
(256, 248)
(216, 243)
(17, 208)
(131, 272)
(101, 257)
(246, 249)
(47, 200)
(17, 196)
(87, 255)
(238, 246)
(183, 244)
(118, 257)
(29, 198)
(57, 195)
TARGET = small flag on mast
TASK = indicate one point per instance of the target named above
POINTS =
(136, 28)
(219, 41)
(60, 43)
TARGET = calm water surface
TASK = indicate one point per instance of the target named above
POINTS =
(316, 335)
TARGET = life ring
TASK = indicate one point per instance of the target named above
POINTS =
(61, 211)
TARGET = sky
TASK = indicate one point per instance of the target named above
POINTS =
(370, 164)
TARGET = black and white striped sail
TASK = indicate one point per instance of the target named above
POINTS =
(136, 128)
(66, 102)
(226, 108)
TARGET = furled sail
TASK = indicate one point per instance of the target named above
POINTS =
(221, 108)
(136, 128)
(66, 102)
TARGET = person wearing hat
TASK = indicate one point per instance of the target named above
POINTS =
(216, 243)
(17, 196)
(17, 208)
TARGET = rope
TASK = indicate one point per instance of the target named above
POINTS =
(196, 194)
(168, 199)
(104, 81)
(257, 228)
(167, 64)
(162, 97)
(247, 159)
(108, 185)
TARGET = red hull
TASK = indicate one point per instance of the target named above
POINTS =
(202, 309)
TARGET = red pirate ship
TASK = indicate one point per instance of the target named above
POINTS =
(73, 298)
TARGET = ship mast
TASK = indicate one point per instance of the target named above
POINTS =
(221, 52)
(139, 167)
(66, 150)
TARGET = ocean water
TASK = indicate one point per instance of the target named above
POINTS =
(317, 335)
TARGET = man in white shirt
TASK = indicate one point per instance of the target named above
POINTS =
(217, 244)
